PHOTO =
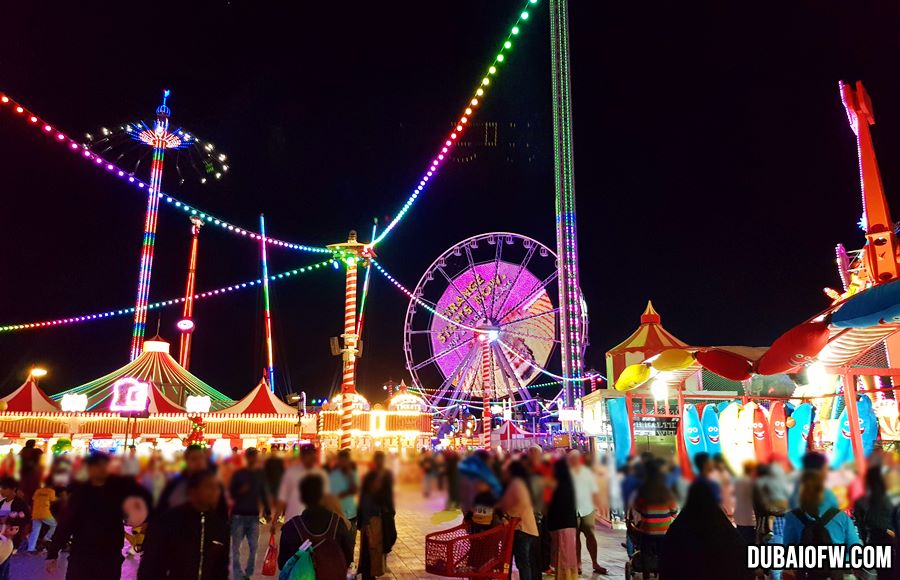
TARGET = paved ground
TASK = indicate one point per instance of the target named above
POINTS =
(416, 517)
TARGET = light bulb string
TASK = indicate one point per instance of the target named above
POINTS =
(161, 304)
(468, 112)
(7, 102)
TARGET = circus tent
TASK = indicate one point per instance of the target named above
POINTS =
(29, 398)
(650, 339)
(156, 366)
(260, 401)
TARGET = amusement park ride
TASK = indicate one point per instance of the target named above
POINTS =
(486, 317)
(511, 341)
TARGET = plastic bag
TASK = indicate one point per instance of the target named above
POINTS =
(270, 566)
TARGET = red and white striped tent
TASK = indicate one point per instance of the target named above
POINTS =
(648, 340)
(159, 403)
(29, 398)
(260, 401)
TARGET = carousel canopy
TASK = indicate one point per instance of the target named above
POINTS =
(650, 338)
(260, 401)
(29, 398)
(155, 366)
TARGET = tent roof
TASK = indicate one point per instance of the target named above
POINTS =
(260, 401)
(650, 337)
(29, 398)
(156, 366)
(159, 403)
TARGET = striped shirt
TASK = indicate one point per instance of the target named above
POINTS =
(655, 518)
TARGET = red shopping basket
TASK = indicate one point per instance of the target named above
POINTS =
(458, 554)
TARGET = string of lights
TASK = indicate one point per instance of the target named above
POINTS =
(161, 304)
(82, 151)
(560, 378)
(462, 122)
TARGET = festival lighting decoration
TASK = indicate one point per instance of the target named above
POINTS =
(197, 404)
(129, 395)
(73, 403)
(159, 139)
(37, 372)
(466, 116)
(186, 324)
(83, 152)
(268, 310)
(162, 304)
(573, 322)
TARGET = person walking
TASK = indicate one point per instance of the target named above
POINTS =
(273, 467)
(744, 516)
(175, 493)
(289, 504)
(376, 518)
(655, 508)
(326, 530)
(92, 519)
(873, 514)
(516, 503)
(189, 541)
(343, 481)
(248, 492)
(562, 522)
(701, 543)
(30, 468)
(429, 471)
(816, 522)
(41, 501)
(587, 497)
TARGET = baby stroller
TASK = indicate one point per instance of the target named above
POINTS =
(644, 562)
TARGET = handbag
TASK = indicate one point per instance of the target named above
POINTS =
(270, 565)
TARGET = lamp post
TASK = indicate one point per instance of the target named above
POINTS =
(37, 373)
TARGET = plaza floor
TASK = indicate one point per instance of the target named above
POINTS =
(416, 517)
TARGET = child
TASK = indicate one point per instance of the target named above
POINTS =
(14, 515)
(43, 497)
(483, 508)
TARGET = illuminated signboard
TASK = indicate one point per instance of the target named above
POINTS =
(129, 394)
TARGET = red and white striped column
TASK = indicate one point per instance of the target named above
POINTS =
(348, 382)
(486, 378)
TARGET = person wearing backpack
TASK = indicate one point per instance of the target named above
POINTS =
(817, 523)
(874, 514)
(327, 532)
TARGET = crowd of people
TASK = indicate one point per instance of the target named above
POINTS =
(120, 517)
(702, 530)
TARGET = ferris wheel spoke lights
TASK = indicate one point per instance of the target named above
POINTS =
(468, 285)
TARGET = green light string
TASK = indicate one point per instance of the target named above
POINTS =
(463, 121)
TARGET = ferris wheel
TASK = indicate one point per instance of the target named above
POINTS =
(482, 323)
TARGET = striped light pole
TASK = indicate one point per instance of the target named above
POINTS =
(350, 253)
(186, 324)
(486, 377)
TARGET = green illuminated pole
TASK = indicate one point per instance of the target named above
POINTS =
(566, 237)
(268, 314)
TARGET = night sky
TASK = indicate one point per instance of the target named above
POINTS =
(715, 169)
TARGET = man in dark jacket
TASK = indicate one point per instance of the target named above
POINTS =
(93, 520)
(191, 540)
(175, 492)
